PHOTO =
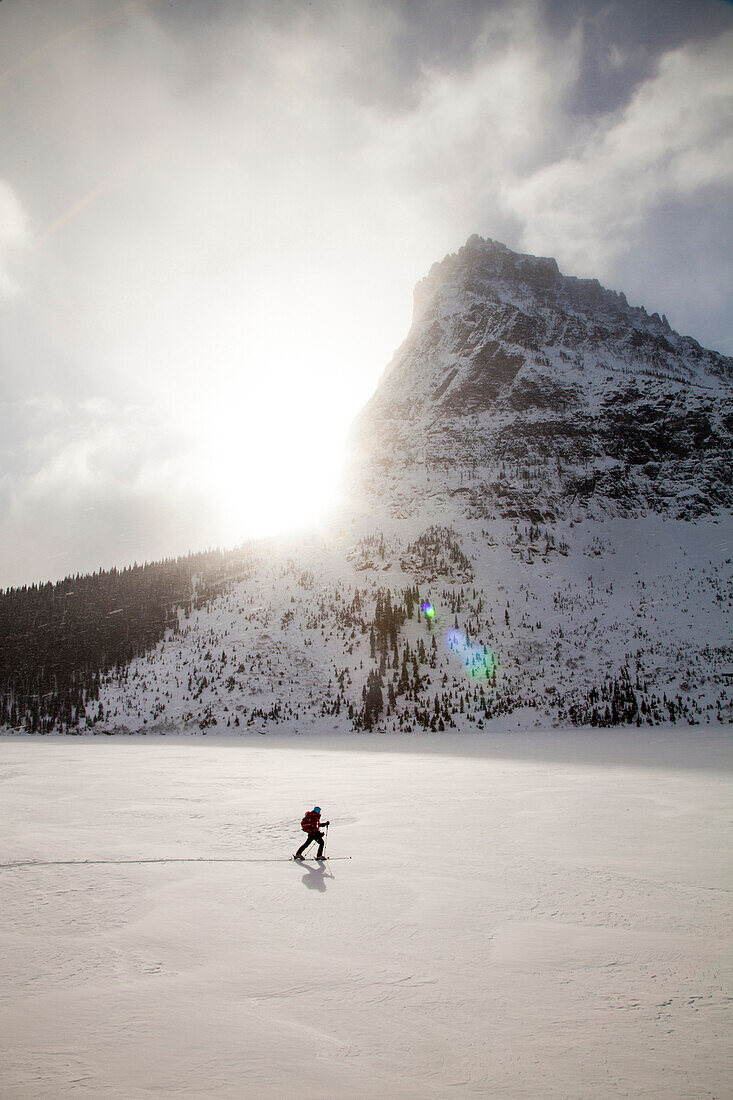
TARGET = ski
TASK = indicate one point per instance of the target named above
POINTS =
(312, 859)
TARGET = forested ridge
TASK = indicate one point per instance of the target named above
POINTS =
(57, 640)
(400, 632)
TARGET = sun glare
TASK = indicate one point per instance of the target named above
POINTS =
(281, 398)
(274, 462)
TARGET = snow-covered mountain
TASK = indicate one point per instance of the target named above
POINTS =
(536, 529)
(534, 395)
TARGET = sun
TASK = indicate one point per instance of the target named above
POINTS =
(274, 463)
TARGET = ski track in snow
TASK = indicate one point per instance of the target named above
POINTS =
(525, 915)
(162, 859)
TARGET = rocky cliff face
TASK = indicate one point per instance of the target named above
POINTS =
(523, 393)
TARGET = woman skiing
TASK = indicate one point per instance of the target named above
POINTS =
(311, 824)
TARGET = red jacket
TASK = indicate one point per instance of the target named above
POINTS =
(311, 822)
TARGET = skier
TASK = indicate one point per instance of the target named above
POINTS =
(311, 824)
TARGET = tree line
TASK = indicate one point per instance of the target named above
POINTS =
(57, 640)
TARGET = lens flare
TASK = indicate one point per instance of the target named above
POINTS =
(478, 661)
(428, 610)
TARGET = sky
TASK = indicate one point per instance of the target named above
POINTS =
(213, 215)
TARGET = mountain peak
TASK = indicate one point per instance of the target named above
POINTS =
(526, 392)
(483, 264)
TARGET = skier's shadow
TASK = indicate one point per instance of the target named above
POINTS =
(315, 877)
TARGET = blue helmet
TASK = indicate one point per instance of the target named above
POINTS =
(316, 809)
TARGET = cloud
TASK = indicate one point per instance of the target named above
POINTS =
(230, 205)
(90, 485)
(472, 127)
(13, 233)
(674, 139)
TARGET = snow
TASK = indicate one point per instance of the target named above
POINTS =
(539, 914)
(649, 594)
(537, 394)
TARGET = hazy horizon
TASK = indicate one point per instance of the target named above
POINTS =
(212, 219)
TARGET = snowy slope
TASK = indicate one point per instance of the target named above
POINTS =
(603, 622)
(523, 917)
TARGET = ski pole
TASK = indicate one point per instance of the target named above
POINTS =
(325, 842)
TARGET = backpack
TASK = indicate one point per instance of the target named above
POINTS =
(309, 823)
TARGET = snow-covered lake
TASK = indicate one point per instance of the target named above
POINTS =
(524, 915)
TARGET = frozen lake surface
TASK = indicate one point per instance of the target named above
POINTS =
(537, 915)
